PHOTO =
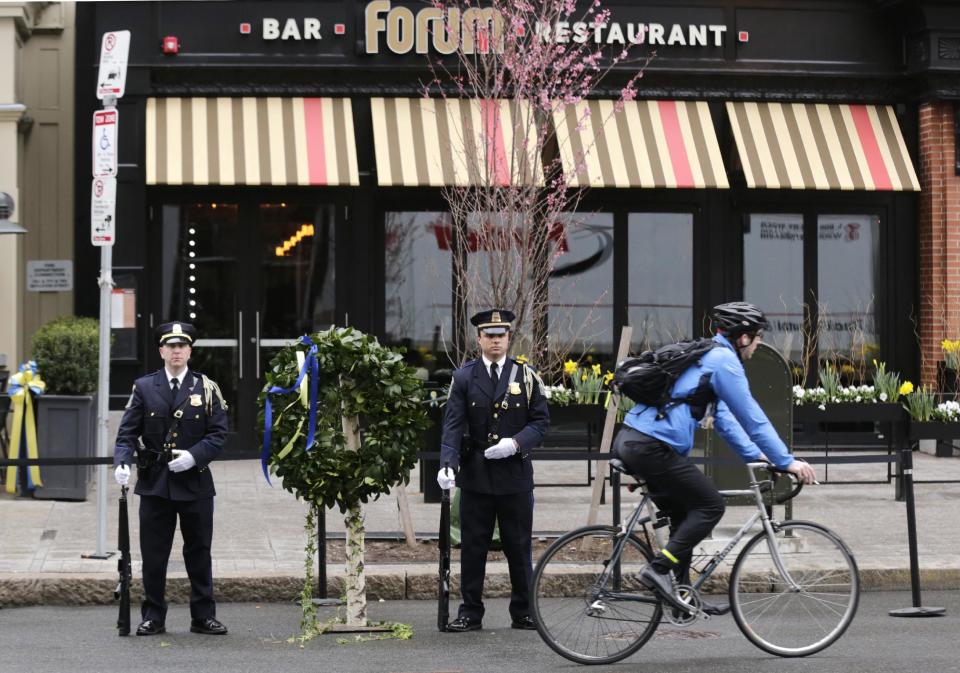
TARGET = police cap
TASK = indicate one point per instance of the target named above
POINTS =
(493, 321)
(175, 332)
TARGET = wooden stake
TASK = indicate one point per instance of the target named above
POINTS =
(404, 506)
(606, 441)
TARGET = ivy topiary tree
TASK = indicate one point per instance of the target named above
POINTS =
(369, 417)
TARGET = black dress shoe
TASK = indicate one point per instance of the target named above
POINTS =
(150, 627)
(525, 623)
(208, 625)
(461, 624)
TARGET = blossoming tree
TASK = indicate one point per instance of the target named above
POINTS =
(527, 68)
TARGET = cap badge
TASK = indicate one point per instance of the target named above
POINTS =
(495, 317)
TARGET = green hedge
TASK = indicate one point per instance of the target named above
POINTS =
(67, 353)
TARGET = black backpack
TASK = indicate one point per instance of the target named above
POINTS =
(648, 378)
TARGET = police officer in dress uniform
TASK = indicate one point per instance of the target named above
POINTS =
(495, 415)
(175, 423)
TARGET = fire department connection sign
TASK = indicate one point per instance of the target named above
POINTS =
(112, 76)
(103, 205)
(105, 143)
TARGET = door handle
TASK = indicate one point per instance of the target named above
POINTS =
(256, 328)
(240, 342)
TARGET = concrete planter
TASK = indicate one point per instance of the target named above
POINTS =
(66, 428)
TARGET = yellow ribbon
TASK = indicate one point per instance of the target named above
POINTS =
(23, 420)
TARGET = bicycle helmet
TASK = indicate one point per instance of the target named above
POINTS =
(737, 317)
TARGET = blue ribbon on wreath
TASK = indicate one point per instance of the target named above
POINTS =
(310, 362)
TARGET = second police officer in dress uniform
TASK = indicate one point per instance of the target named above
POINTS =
(495, 415)
(174, 424)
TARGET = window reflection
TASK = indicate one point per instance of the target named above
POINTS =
(660, 287)
(847, 254)
(773, 279)
(581, 286)
(418, 294)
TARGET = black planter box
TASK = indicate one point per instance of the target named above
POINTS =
(66, 428)
(934, 430)
(850, 412)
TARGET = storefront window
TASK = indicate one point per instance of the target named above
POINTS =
(581, 287)
(418, 292)
(773, 279)
(847, 254)
(660, 286)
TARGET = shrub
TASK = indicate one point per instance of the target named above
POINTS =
(67, 352)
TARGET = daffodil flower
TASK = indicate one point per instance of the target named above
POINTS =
(570, 367)
(906, 388)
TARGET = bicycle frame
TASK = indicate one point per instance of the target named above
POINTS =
(636, 519)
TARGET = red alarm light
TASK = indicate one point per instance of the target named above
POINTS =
(171, 45)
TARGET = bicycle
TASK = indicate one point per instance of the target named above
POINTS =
(794, 587)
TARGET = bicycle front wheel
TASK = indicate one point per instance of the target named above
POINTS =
(804, 610)
(585, 613)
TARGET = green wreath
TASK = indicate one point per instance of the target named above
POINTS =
(357, 378)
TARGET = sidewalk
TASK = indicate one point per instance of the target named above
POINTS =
(258, 536)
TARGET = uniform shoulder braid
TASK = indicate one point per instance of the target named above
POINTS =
(210, 388)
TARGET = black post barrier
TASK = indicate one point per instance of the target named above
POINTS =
(906, 470)
(615, 490)
(320, 590)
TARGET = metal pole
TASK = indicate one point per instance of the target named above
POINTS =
(321, 588)
(917, 610)
(103, 396)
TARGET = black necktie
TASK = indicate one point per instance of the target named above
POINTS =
(493, 374)
(174, 388)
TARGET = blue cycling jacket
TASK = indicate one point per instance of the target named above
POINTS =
(739, 419)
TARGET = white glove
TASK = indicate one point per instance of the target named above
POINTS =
(446, 478)
(182, 461)
(505, 448)
(122, 474)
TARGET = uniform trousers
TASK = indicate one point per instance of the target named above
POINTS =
(158, 522)
(479, 512)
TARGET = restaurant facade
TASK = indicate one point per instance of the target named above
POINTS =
(281, 172)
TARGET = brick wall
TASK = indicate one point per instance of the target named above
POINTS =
(939, 235)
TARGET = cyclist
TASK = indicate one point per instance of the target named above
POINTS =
(655, 444)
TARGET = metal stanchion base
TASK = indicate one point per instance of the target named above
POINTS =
(918, 612)
(328, 602)
(100, 557)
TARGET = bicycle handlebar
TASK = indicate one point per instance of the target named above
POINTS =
(774, 472)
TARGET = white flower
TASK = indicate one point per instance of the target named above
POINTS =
(822, 407)
(883, 397)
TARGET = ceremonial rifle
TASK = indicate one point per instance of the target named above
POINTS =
(443, 584)
(122, 592)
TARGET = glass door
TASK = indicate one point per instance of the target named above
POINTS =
(251, 277)
(295, 280)
(199, 265)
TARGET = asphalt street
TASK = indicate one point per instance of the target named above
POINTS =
(82, 639)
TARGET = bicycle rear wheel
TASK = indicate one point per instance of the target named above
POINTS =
(583, 617)
(795, 621)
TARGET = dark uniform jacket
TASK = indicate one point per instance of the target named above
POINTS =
(476, 416)
(202, 432)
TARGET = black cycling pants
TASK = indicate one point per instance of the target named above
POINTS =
(679, 489)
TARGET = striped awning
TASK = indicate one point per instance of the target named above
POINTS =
(463, 143)
(250, 141)
(821, 146)
(643, 144)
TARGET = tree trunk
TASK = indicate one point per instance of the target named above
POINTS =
(356, 583)
(355, 580)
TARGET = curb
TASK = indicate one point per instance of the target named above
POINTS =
(391, 583)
